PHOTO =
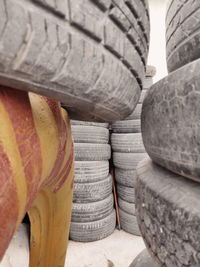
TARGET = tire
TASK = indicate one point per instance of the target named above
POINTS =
(89, 212)
(92, 152)
(135, 115)
(142, 96)
(168, 211)
(182, 33)
(129, 223)
(89, 123)
(126, 193)
(90, 134)
(170, 121)
(127, 143)
(125, 177)
(127, 161)
(86, 54)
(126, 206)
(127, 126)
(90, 171)
(92, 231)
(143, 260)
(92, 192)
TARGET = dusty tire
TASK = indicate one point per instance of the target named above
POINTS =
(90, 134)
(168, 211)
(143, 260)
(126, 193)
(125, 177)
(182, 34)
(93, 211)
(126, 126)
(92, 192)
(92, 231)
(86, 54)
(89, 123)
(90, 171)
(129, 223)
(170, 121)
(92, 152)
(127, 161)
(127, 143)
(126, 206)
(136, 114)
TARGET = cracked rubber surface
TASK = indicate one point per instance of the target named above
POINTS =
(168, 212)
(171, 121)
(143, 260)
(182, 33)
(90, 54)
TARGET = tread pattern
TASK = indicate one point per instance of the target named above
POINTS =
(126, 206)
(89, 123)
(126, 193)
(127, 161)
(168, 208)
(92, 231)
(125, 177)
(129, 223)
(53, 40)
(127, 126)
(183, 33)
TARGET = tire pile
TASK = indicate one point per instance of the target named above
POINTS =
(93, 214)
(168, 192)
(128, 151)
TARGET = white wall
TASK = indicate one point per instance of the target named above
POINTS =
(157, 54)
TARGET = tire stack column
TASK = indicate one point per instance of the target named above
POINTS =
(93, 215)
(128, 151)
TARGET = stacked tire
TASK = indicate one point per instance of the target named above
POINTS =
(93, 214)
(168, 196)
(128, 151)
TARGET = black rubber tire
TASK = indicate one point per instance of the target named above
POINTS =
(136, 114)
(127, 206)
(90, 134)
(90, 171)
(126, 193)
(129, 223)
(125, 177)
(92, 192)
(92, 152)
(170, 121)
(127, 143)
(92, 211)
(88, 54)
(168, 211)
(183, 33)
(127, 161)
(144, 259)
(127, 126)
(92, 231)
(89, 123)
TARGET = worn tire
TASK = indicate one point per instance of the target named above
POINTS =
(92, 231)
(92, 211)
(136, 114)
(126, 193)
(127, 143)
(125, 177)
(129, 223)
(170, 121)
(127, 161)
(144, 259)
(90, 171)
(168, 211)
(127, 126)
(91, 55)
(92, 152)
(183, 33)
(126, 206)
(92, 192)
(89, 123)
(90, 134)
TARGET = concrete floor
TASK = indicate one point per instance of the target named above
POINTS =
(117, 250)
